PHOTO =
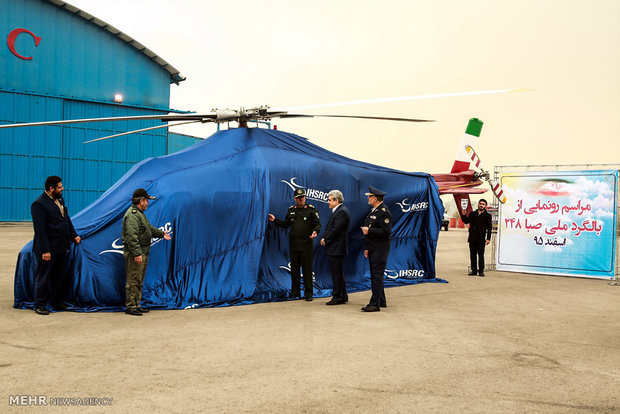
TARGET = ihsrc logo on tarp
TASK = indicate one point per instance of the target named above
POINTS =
(408, 208)
(117, 245)
(404, 274)
(311, 193)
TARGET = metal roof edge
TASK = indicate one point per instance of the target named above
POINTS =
(175, 75)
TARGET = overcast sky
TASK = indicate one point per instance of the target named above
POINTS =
(288, 53)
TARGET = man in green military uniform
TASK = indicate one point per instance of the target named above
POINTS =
(303, 219)
(137, 235)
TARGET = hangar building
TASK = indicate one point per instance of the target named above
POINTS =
(59, 62)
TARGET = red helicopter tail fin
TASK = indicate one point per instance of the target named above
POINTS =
(472, 133)
(463, 203)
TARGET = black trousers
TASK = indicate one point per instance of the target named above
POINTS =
(301, 259)
(377, 259)
(50, 281)
(336, 264)
(476, 256)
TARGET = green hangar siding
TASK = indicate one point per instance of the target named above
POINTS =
(59, 62)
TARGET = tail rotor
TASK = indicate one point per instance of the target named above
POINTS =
(484, 175)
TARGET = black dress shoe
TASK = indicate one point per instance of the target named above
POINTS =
(471, 274)
(134, 312)
(481, 274)
(143, 310)
(335, 302)
(370, 309)
(42, 311)
(384, 306)
(309, 299)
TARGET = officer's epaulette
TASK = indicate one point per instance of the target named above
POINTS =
(310, 206)
(133, 210)
(293, 206)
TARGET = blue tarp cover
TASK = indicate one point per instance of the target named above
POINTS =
(214, 198)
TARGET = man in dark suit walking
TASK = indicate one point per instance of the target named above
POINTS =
(336, 242)
(480, 227)
(53, 233)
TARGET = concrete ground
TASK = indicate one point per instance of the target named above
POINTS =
(505, 343)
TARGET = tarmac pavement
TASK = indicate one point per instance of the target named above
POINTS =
(505, 343)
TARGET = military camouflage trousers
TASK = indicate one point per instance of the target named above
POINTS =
(134, 274)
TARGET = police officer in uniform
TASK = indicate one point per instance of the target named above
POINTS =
(305, 225)
(137, 235)
(377, 231)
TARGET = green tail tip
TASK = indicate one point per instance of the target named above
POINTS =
(474, 127)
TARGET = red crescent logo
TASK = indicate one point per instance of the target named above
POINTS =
(10, 41)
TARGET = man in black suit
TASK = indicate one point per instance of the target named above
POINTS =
(53, 233)
(336, 242)
(377, 231)
(480, 224)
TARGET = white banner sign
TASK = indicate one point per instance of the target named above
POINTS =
(559, 223)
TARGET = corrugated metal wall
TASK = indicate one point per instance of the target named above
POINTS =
(29, 155)
(74, 72)
(75, 58)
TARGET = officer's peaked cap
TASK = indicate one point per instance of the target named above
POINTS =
(300, 192)
(141, 193)
(372, 191)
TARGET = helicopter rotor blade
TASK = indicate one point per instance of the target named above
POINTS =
(264, 112)
(141, 130)
(285, 115)
(163, 118)
(400, 98)
(384, 118)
